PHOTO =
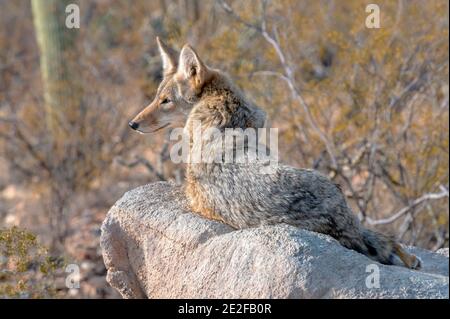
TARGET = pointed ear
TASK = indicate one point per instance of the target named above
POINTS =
(191, 67)
(168, 56)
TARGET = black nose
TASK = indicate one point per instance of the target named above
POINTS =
(133, 125)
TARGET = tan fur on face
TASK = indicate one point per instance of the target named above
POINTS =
(158, 114)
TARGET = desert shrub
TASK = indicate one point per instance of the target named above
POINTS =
(26, 268)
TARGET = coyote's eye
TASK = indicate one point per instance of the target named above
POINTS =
(165, 101)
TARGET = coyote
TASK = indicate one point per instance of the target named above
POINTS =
(239, 195)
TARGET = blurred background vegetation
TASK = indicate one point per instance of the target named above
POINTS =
(367, 107)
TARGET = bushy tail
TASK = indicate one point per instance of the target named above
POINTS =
(386, 250)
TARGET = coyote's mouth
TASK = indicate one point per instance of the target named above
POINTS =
(155, 130)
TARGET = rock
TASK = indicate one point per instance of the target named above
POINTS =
(154, 247)
(443, 251)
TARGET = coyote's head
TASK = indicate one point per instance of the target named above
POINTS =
(183, 79)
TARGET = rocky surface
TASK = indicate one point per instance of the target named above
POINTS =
(153, 247)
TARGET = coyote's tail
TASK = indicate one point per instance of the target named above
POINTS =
(386, 250)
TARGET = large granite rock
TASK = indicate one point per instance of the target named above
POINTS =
(154, 247)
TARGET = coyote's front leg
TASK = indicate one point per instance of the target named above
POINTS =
(197, 203)
(411, 261)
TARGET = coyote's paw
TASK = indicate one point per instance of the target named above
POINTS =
(416, 263)
(409, 260)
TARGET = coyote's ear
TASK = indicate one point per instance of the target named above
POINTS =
(169, 57)
(191, 67)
